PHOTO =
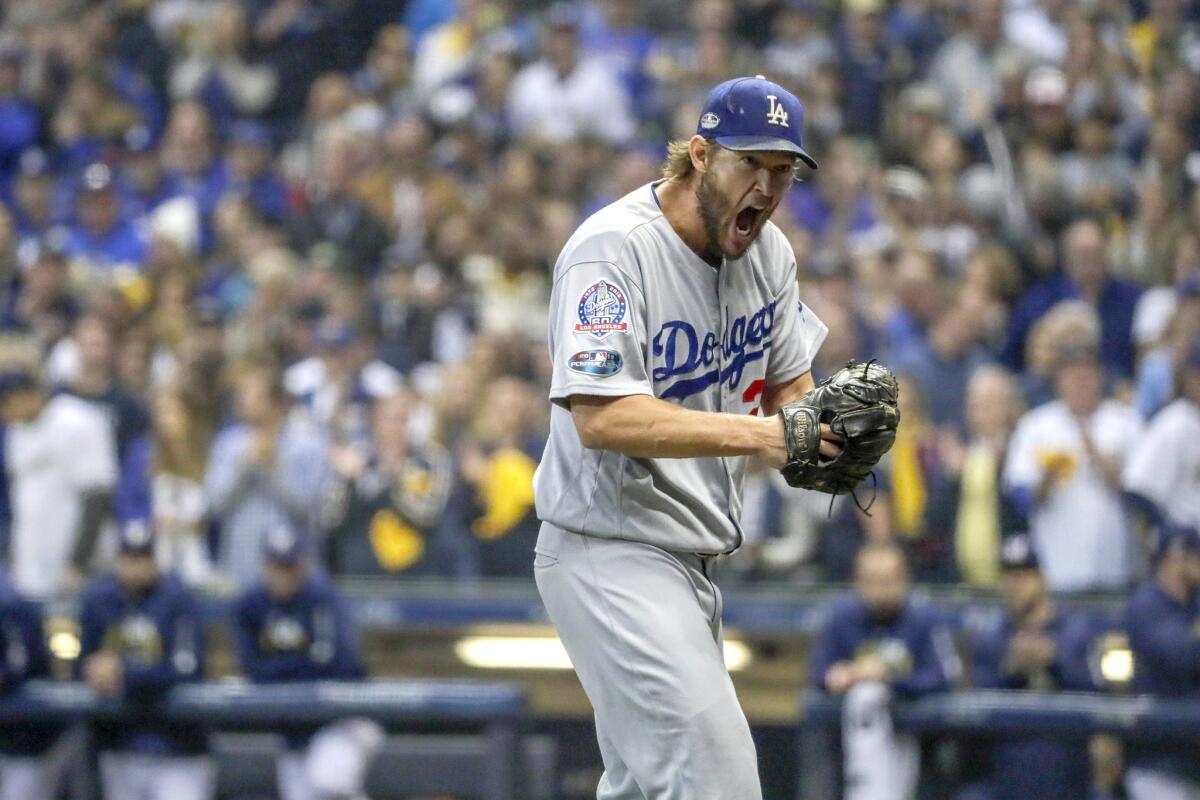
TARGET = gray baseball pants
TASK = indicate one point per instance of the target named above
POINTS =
(642, 626)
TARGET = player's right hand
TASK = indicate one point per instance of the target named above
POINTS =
(776, 455)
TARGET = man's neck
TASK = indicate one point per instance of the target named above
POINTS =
(1172, 582)
(92, 383)
(681, 207)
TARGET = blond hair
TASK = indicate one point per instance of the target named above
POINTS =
(678, 164)
(19, 353)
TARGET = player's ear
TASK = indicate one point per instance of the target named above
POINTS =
(700, 152)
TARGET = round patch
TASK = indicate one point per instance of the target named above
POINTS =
(601, 363)
(602, 310)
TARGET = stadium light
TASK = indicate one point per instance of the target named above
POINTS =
(547, 652)
(65, 645)
(1117, 665)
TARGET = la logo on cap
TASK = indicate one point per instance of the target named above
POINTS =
(776, 114)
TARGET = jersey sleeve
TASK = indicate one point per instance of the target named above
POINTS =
(1153, 467)
(1021, 469)
(597, 333)
(798, 336)
(93, 462)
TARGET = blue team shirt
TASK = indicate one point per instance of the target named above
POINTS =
(917, 635)
(1037, 767)
(1165, 637)
(307, 638)
(160, 639)
(122, 244)
(23, 656)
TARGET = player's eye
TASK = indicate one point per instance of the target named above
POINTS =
(750, 161)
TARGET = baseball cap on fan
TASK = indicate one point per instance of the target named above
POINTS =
(754, 114)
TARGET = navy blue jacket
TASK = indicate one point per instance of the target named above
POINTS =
(1165, 637)
(307, 638)
(160, 639)
(917, 637)
(1037, 767)
(1117, 302)
(23, 656)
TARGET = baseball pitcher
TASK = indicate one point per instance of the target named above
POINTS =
(680, 347)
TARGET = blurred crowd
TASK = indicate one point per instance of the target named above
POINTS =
(272, 262)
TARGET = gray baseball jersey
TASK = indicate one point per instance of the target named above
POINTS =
(635, 311)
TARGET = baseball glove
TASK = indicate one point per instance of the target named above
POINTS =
(859, 403)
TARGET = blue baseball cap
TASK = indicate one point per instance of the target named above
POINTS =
(1169, 536)
(754, 114)
(283, 544)
(136, 538)
(1017, 552)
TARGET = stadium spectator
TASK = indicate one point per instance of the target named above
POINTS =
(24, 774)
(162, 480)
(45, 305)
(293, 625)
(1034, 646)
(972, 503)
(190, 157)
(338, 386)
(386, 499)
(1085, 276)
(1071, 325)
(141, 633)
(1163, 471)
(620, 40)
(1157, 373)
(566, 95)
(143, 182)
(869, 64)
(103, 245)
(1161, 620)
(941, 363)
(218, 71)
(250, 173)
(801, 46)
(968, 68)
(445, 54)
(878, 644)
(914, 479)
(335, 214)
(21, 119)
(492, 496)
(1064, 470)
(266, 470)
(34, 203)
(61, 463)
(86, 365)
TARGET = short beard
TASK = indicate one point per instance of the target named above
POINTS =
(714, 212)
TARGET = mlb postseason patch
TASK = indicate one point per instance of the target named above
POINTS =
(602, 310)
(601, 363)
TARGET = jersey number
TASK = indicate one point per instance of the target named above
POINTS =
(753, 393)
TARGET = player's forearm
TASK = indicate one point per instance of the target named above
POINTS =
(641, 426)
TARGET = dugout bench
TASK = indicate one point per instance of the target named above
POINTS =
(482, 723)
(987, 713)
